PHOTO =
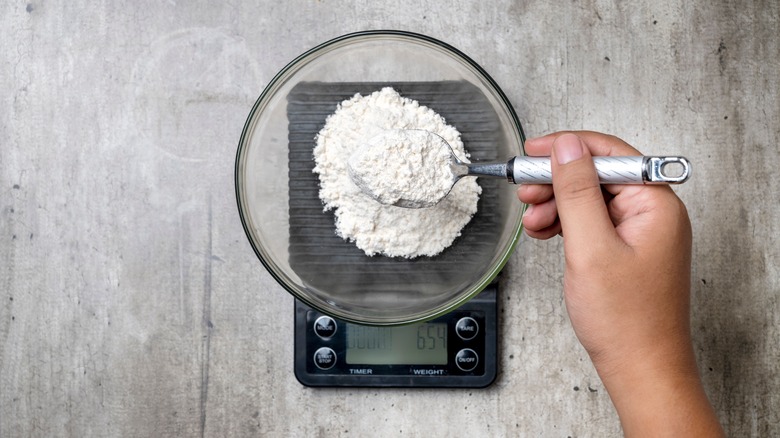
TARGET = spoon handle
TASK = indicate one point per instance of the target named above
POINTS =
(611, 170)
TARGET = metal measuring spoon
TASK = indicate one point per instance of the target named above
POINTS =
(413, 192)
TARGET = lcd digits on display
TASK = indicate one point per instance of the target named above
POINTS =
(416, 344)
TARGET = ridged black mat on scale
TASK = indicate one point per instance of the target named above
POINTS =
(331, 262)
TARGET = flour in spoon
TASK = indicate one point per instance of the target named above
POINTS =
(374, 227)
(409, 166)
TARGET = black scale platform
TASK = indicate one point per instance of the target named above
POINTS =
(331, 262)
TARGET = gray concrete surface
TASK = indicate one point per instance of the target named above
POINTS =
(131, 303)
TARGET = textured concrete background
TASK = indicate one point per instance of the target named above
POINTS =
(131, 303)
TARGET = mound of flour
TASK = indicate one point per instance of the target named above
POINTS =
(376, 228)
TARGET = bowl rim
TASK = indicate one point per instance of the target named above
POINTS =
(268, 91)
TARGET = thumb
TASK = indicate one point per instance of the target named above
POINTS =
(585, 221)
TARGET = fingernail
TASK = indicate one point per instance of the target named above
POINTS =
(567, 148)
(528, 210)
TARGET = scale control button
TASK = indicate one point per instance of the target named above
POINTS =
(324, 358)
(467, 328)
(466, 359)
(325, 327)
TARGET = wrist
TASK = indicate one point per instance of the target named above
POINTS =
(660, 395)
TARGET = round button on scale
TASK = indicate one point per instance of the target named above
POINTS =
(467, 328)
(466, 359)
(324, 358)
(325, 327)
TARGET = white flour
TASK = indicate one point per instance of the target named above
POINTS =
(383, 229)
(411, 166)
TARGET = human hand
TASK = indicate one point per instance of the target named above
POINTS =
(626, 283)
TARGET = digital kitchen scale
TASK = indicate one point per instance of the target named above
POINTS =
(457, 350)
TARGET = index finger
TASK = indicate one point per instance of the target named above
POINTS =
(599, 144)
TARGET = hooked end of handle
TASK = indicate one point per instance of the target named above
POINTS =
(666, 170)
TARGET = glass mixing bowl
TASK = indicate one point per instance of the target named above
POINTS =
(277, 192)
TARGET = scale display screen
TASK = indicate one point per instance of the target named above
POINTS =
(416, 344)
